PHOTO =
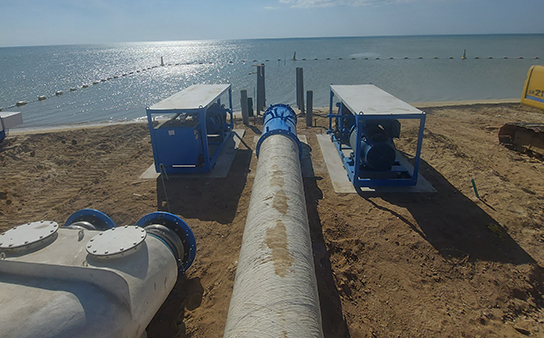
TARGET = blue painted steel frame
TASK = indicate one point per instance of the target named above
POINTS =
(353, 166)
(159, 151)
(3, 131)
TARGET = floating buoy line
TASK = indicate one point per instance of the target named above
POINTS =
(230, 62)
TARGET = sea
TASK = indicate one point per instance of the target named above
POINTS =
(116, 82)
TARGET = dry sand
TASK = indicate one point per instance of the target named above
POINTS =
(388, 265)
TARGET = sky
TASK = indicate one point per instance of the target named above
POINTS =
(54, 22)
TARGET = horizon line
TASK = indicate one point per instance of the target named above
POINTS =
(270, 38)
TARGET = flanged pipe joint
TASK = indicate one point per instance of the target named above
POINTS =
(279, 119)
(90, 278)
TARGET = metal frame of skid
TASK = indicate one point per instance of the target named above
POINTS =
(352, 165)
(162, 151)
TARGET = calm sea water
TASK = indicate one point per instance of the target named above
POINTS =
(415, 69)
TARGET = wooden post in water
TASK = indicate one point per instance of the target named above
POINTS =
(297, 75)
(245, 110)
(261, 94)
(309, 107)
(300, 89)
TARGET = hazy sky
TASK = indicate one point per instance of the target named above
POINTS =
(47, 22)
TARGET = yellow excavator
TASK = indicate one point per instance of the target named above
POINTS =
(523, 136)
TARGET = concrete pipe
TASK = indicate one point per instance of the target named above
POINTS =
(275, 290)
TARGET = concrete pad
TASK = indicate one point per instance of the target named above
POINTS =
(150, 173)
(337, 173)
(222, 165)
(305, 159)
(341, 182)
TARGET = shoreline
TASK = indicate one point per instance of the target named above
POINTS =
(435, 104)
(420, 105)
(64, 127)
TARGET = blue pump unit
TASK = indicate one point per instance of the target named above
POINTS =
(279, 119)
(363, 131)
(378, 150)
(189, 129)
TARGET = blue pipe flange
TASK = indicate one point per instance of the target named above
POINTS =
(280, 119)
(182, 230)
(97, 219)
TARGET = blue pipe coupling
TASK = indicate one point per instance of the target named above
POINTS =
(280, 119)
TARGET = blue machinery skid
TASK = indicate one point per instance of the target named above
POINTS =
(90, 278)
(188, 129)
(363, 131)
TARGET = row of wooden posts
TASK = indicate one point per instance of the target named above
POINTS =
(261, 97)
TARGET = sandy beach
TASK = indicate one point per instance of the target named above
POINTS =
(441, 264)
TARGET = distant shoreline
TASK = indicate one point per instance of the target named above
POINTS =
(420, 105)
(462, 103)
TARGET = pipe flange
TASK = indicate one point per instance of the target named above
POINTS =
(98, 219)
(28, 234)
(280, 119)
(116, 241)
(182, 230)
(170, 238)
(81, 225)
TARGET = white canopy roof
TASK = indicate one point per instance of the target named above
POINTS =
(10, 119)
(371, 100)
(192, 98)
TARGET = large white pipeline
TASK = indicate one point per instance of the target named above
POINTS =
(275, 290)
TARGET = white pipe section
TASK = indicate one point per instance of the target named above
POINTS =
(62, 291)
(275, 290)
